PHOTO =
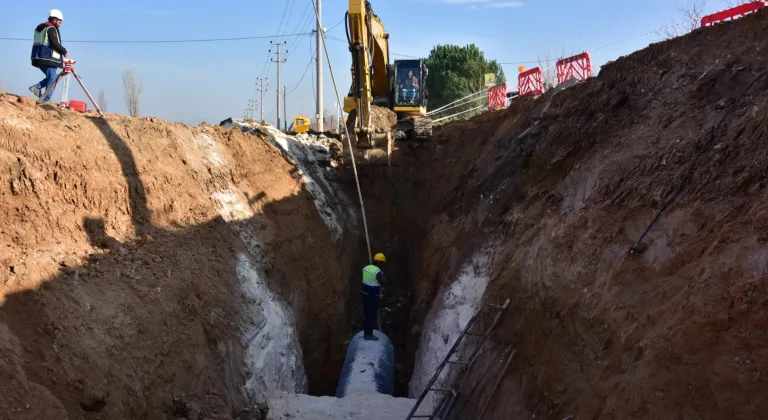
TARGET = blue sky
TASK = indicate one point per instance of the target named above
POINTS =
(211, 81)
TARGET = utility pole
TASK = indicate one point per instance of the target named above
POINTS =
(319, 66)
(249, 109)
(285, 107)
(278, 61)
(261, 89)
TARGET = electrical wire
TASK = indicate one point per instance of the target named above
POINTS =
(311, 59)
(337, 24)
(290, 13)
(337, 39)
(305, 28)
(303, 23)
(282, 18)
(537, 61)
(164, 41)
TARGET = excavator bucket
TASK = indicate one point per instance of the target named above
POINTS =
(374, 147)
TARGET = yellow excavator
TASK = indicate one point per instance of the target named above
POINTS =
(387, 101)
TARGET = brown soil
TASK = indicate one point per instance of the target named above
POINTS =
(119, 283)
(383, 117)
(566, 183)
(119, 295)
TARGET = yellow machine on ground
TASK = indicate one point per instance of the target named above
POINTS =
(398, 86)
(301, 124)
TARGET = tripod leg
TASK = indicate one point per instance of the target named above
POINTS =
(87, 93)
(50, 89)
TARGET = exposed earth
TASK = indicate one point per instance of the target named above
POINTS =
(155, 271)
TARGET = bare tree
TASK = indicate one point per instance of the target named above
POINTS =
(102, 101)
(547, 67)
(132, 88)
(691, 13)
(734, 3)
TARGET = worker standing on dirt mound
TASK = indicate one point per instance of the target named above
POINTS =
(47, 52)
(370, 291)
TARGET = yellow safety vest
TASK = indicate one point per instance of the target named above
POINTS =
(369, 275)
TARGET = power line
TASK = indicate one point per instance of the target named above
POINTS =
(290, 13)
(537, 61)
(305, 73)
(337, 39)
(403, 55)
(301, 23)
(307, 24)
(334, 26)
(282, 18)
(165, 41)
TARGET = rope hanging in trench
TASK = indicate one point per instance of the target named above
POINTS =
(346, 131)
(689, 172)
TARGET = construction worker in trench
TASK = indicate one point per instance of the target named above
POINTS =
(370, 292)
(47, 52)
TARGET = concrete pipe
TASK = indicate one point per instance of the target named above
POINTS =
(369, 367)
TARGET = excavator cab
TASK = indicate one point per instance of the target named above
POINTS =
(409, 99)
(408, 81)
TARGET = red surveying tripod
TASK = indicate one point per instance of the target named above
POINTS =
(69, 69)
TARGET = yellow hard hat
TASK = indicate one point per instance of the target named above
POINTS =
(380, 257)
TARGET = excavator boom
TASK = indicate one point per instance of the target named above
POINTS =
(381, 89)
(369, 45)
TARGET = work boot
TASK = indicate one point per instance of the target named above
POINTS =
(35, 90)
(370, 337)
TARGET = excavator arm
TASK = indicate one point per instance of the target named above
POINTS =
(369, 45)
(387, 101)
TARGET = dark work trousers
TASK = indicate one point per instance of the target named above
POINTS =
(370, 313)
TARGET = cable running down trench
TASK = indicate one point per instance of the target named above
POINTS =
(349, 139)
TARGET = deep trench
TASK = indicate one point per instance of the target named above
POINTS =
(393, 235)
(394, 310)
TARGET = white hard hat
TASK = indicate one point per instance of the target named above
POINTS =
(55, 13)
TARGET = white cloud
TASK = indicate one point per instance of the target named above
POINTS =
(506, 4)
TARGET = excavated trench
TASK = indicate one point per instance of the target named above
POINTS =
(543, 202)
(186, 272)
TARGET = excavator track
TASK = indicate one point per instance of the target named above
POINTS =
(414, 128)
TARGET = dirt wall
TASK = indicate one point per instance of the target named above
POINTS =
(141, 263)
(562, 186)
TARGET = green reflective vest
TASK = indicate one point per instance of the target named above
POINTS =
(369, 275)
(46, 53)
